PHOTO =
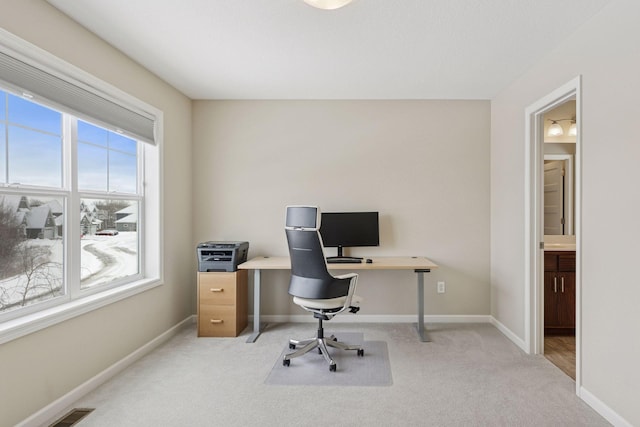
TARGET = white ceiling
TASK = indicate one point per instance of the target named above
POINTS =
(370, 49)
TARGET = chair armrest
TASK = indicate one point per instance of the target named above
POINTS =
(346, 276)
(352, 287)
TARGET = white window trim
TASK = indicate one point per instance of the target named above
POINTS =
(152, 239)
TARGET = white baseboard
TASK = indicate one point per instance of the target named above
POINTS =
(62, 405)
(375, 318)
(509, 334)
(601, 408)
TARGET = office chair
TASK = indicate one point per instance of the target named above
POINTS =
(312, 286)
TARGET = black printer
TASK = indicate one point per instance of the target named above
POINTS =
(221, 256)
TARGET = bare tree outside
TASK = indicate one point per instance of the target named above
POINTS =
(39, 277)
(31, 269)
(10, 238)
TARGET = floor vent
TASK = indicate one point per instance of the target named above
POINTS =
(73, 417)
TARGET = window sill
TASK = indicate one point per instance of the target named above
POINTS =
(19, 327)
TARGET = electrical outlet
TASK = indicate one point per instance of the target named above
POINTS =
(441, 287)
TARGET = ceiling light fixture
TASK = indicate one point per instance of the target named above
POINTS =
(327, 4)
(573, 129)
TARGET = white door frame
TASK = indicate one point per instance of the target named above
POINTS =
(534, 229)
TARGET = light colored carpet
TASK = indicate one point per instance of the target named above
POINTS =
(469, 375)
(311, 369)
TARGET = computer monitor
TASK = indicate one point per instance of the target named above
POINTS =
(349, 229)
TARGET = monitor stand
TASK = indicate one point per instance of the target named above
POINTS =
(341, 258)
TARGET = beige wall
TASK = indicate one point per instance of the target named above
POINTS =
(41, 367)
(606, 53)
(424, 165)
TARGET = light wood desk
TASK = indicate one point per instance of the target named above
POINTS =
(419, 265)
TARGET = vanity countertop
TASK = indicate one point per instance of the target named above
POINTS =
(559, 243)
(559, 246)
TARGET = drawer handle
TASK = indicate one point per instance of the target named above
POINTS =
(216, 289)
(555, 285)
(216, 321)
(562, 283)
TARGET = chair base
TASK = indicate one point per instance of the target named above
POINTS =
(322, 344)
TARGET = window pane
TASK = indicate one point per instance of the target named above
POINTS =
(107, 161)
(122, 143)
(31, 250)
(3, 137)
(35, 116)
(3, 153)
(93, 134)
(109, 241)
(3, 105)
(34, 158)
(92, 167)
(122, 172)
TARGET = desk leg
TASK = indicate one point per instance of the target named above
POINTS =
(256, 307)
(422, 334)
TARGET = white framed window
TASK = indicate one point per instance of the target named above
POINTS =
(80, 187)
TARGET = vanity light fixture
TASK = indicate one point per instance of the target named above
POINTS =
(327, 4)
(556, 130)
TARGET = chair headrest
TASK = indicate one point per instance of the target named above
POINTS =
(302, 218)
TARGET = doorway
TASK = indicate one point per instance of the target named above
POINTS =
(559, 147)
(554, 280)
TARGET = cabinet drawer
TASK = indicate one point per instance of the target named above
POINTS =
(217, 289)
(567, 262)
(550, 262)
(560, 261)
(217, 321)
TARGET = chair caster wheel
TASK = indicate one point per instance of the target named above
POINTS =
(361, 352)
(286, 362)
(332, 368)
(292, 346)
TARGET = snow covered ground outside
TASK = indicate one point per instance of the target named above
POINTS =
(107, 258)
(103, 259)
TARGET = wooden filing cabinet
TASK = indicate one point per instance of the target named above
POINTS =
(559, 292)
(222, 303)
